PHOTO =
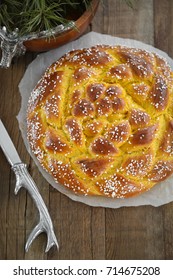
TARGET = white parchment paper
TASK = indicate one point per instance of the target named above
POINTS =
(162, 193)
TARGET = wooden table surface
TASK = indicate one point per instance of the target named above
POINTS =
(85, 232)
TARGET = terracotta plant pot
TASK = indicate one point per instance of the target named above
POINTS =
(42, 44)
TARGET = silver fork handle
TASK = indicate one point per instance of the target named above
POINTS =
(23, 179)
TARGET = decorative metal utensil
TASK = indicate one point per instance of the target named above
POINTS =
(23, 179)
(12, 44)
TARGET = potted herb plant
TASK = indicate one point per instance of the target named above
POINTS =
(40, 25)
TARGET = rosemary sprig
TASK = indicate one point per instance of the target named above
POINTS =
(41, 16)
(37, 15)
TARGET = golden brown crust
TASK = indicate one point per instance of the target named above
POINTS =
(100, 121)
(138, 117)
(159, 93)
(94, 167)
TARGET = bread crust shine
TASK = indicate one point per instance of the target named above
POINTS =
(100, 121)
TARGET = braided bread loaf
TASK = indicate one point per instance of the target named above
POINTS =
(100, 121)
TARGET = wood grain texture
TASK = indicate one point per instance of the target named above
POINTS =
(85, 232)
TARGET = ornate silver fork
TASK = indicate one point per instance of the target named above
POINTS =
(23, 179)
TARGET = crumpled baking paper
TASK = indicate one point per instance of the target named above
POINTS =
(162, 193)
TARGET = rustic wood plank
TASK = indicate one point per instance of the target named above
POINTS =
(78, 228)
(8, 91)
(122, 21)
(168, 230)
(97, 23)
(72, 223)
(135, 233)
(15, 206)
(163, 22)
(4, 177)
(98, 234)
(4, 186)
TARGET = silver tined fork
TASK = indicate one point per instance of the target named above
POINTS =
(23, 179)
